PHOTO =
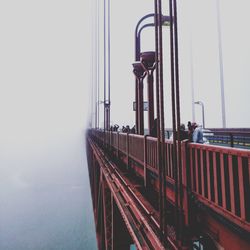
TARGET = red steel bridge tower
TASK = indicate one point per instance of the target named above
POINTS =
(150, 192)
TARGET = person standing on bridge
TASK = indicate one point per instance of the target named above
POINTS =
(183, 132)
(197, 133)
(154, 129)
(190, 131)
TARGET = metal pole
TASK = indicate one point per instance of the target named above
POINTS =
(94, 66)
(104, 66)
(136, 106)
(162, 124)
(203, 115)
(223, 112)
(174, 116)
(137, 82)
(150, 101)
(108, 100)
(137, 58)
(190, 24)
(192, 79)
(92, 114)
(98, 66)
(138, 31)
(137, 37)
(148, 63)
(179, 159)
(140, 106)
(140, 74)
(158, 115)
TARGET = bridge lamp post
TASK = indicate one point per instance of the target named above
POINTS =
(148, 63)
(140, 74)
(138, 29)
(203, 115)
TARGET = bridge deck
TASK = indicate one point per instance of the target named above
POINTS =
(215, 188)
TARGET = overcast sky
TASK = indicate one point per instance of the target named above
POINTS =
(44, 87)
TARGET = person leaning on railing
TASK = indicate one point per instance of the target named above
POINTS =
(197, 136)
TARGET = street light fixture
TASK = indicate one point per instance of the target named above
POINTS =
(203, 115)
(139, 28)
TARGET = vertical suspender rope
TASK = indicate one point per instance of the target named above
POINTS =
(106, 66)
(104, 69)
(162, 125)
(160, 118)
(179, 165)
(223, 110)
(92, 118)
(98, 65)
(174, 115)
(192, 78)
(158, 113)
(95, 62)
(108, 118)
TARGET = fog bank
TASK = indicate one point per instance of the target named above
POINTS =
(44, 190)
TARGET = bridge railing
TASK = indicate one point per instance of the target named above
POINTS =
(169, 159)
(114, 139)
(219, 176)
(151, 152)
(136, 147)
(122, 146)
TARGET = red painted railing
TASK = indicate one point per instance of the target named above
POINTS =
(136, 145)
(151, 150)
(122, 146)
(219, 177)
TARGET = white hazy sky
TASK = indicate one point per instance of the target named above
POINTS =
(197, 25)
(44, 78)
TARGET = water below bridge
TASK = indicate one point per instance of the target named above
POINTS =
(45, 204)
